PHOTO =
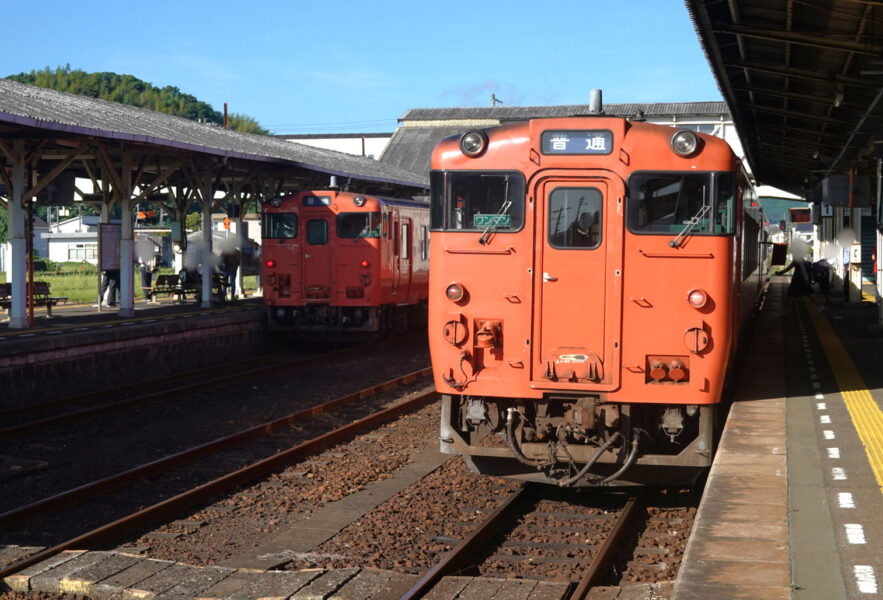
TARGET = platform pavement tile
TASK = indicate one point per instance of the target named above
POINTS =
(703, 591)
(364, 585)
(643, 591)
(114, 585)
(82, 581)
(12, 553)
(323, 586)
(21, 581)
(200, 579)
(766, 444)
(51, 581)
(274, 585)
(746, 549)
(481, 588)
(237, 580)
(765, 530)
(755, 489)
(159, 582)
(396, 587)
(750, 573)
(549, 590)
(758, 461)
(449, 587)
(729, 511)
(515, 589)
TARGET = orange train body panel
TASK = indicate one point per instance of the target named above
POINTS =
(337, 262)
(587, 291)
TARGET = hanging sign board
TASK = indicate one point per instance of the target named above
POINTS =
(109, 246)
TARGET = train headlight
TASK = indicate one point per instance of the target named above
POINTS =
(276, 201)
(455, 292)
(473, 143)
(697, 298)
(359, 200)
(684, 142)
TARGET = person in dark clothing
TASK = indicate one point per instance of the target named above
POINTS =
(801, 280)
(110, 280)
(821, 274)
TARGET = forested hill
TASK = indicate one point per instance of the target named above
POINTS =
(127, 89)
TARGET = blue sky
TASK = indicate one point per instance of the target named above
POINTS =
(357, 66)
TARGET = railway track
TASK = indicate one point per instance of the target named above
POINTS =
(68, 410)
(504, 539)
(276, 459)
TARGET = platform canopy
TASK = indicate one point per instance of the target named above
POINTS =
(803, 80)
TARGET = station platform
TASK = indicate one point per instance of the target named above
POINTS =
(793, 507)
(79, 348)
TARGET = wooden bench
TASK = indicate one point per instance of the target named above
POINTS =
(165, 284)
(42, 297)
(5, 295)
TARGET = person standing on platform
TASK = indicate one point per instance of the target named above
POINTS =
(110, 285)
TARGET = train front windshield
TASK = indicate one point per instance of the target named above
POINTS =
(279, 226)
(358, 225)
(475, 201)
(664, 203)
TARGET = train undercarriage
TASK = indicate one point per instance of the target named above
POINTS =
(580, 440)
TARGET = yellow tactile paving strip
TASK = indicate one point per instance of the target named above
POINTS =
(866, 415)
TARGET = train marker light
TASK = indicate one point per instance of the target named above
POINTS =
(697, 298)
(271, 263)
(364, 263)
(473, 143)
(455, 292)
(684, 142)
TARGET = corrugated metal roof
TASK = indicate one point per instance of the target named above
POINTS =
(522, 113)
(45, 109)
(802, 80)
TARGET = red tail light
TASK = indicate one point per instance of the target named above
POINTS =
(271, 263)
(364, 263)
(697, 298)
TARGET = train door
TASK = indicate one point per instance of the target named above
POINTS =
(579, 266)
(405, 260)
(396, 254)
(317, 259)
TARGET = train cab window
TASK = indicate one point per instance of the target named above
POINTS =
(279, 226)
(667, 203)
(575, 218)
(477, 201)
(359, 225)
(317, 232)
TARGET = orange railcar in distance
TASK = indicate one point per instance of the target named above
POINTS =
(590, 279)
(337, 264)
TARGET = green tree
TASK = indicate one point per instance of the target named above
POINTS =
(4, 224)
(128, 89)
(193, 221)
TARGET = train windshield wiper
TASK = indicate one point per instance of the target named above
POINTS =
(497, 218)
(689, 224)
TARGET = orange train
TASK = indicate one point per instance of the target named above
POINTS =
(591, 279)
(336, 263)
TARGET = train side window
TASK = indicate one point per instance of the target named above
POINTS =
(477, 200)
(279, 226)
(575, 218)
(317, 232)
(725, 206)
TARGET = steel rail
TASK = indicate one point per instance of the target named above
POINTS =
(159, 394)
(113, 482)
(453, 560)
(605, 553)
(120, 527)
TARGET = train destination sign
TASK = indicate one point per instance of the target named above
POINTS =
(594, 141)
(317, 201)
